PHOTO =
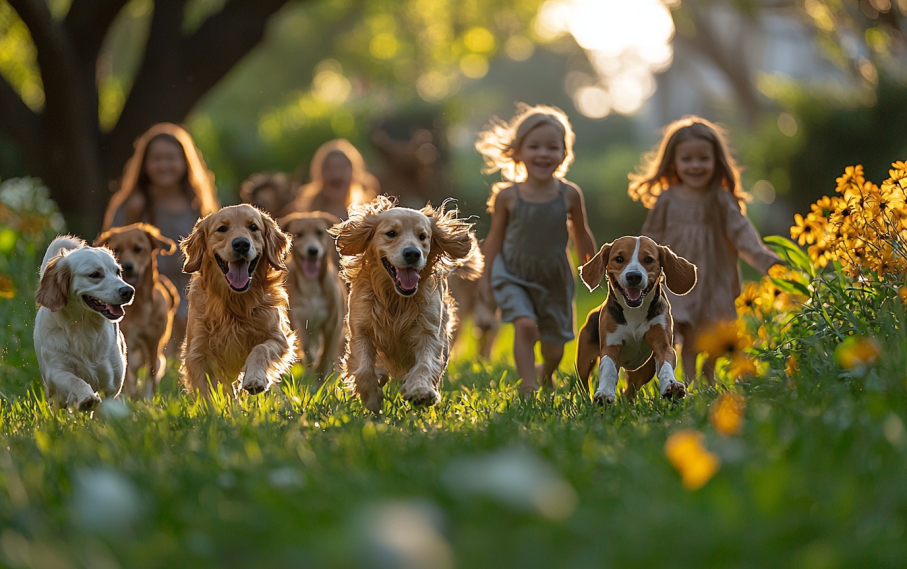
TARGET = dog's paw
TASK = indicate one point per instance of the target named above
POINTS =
(89, 403)
(602, 399)
(255, 382)
(423, 396)
(675, 391)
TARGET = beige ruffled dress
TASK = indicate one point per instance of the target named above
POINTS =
(710, 232)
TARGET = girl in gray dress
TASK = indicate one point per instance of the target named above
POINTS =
(526, 265)
(167, 184)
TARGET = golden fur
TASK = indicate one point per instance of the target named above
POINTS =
(235, 334)
(317, 295)
(396, 330)
(633, 328)
(149, 321)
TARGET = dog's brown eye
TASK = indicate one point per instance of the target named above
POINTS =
(619, 259)
(391, 233)
(138, 249)
(319, 233)
(648, 260)
(95, 275)
(422, 237)
(253, 227)
(298, 236)
(222, 229)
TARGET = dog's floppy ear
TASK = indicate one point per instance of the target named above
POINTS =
(449, 235)
(352, 236)
(193, 247)
(277, 243)
(331, 219)
(593, 271)
(53, 290)
(103, 239)
(158, 241)
(680, 274)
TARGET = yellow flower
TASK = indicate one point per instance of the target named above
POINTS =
(719, 339)
(852, 174)
(687, 453)
(726, 414)
(902, 293)
(821, 253)
(7, 288)
(805, 230)
(792, 366)
(823, 207)
(857, 352)
(888, 261)
(748, 301)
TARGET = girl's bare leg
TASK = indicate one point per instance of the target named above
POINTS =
(687, 353)
(552, 354)
(525, 335)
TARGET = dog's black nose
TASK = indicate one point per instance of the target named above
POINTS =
(412, 255)
(126, 293)
(633, 279)
(313, 251)
(241, 245)
(128, 267)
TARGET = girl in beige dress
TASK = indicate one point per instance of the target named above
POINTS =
(691, 184)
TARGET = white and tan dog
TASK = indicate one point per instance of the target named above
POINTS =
(80, 348)
(633, 329)
(317, 295)
(401, 314)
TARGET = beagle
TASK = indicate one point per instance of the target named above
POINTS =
(633, 328)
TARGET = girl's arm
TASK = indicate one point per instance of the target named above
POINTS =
(495, 239)
(582, 237)
(742, 234)
(654, 226)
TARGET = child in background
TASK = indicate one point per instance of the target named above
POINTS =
(526, 264)
(167, 184)
(691, 184)
(271, 192)
(339, 179)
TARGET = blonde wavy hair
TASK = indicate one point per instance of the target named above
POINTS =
(198, 183)
(658, 172)
(363, 188)
(500, 141)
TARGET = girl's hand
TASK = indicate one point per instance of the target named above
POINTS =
(484, 290)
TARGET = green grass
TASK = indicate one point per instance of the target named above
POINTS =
(301, 477)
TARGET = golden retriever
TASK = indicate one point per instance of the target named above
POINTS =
(149, 321)
(238, 329)
(401, 314)
(78, 342)
(317, 295)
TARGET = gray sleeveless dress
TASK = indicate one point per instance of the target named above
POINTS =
(532, 275)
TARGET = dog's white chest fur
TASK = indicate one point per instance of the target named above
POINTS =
(311, 304)
(636, 350)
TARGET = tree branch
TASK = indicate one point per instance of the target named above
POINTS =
(19, 122)
(87, 23)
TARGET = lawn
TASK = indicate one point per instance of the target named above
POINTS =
(812, 476)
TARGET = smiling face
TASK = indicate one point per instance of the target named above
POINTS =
(402, 241)
(165, 163)
(337, 175)
(134, 247)
(235, 241)
(633, 268)
(542, 151)
(694, 161)
(311, 241)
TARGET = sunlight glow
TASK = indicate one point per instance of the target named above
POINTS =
(626, 42)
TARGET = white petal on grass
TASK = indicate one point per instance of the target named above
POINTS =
(402, 535)
(516, 477)
(104, 501)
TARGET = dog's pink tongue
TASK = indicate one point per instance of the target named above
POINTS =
(633, 293)
(311, 268)
(116, 310)
(408, 278)
(238, 273)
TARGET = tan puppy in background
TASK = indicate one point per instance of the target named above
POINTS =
(78, 342)
(317, 295)
(238, 330)
(149, 321)
(401, 314)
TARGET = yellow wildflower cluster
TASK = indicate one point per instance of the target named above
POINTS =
(864, 227)
(729, 338)
(726, 414)
(687, 453)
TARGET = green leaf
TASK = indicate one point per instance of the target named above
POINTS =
(789, 250)
(791, 287)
